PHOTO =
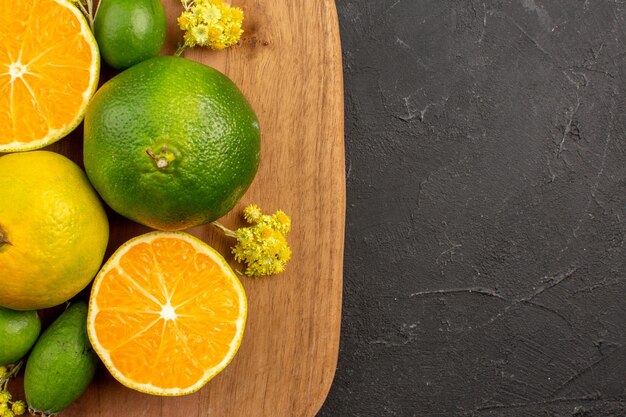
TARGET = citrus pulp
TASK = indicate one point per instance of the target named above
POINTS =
(49, 66)
(166, 313)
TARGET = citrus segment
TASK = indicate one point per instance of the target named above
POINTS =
(166, 313)
(49, 65)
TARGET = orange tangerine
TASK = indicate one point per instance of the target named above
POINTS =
(166, 313)
(49, 66)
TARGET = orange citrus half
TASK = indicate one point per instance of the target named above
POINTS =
(166, 313)
(49, 64)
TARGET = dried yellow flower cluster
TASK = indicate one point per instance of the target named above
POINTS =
(262, 246)
(211, 23)
(8, 408)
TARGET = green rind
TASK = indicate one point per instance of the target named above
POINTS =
(62, 363)
(19, 331)
(129, 31)
(203, 118)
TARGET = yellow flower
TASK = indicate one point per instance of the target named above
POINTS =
(217, 45)
(200, 34)
(263, 246)
(186, 20)
(211, 23)
(283, 222)
(252, 213)
(189, 39)
(3, 372)
(234, 33)
(210, 14)
(18, 408)
(215, 33)
(233, 14)
(5, 396)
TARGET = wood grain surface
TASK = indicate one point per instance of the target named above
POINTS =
(289, 67)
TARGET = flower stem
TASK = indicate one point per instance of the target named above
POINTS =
(187, 4)
(224, 229)
(180, 50)
(13, 370)
(87, 11)
(91, 13)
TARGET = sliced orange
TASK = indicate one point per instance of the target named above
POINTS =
(166, 313)
(49, 64)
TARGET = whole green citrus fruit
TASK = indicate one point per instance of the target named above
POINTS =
(171, 143)
(19, 331)
(53, 230)
(129, 31)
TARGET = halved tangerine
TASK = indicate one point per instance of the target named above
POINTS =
(49, 67)
(166, 314)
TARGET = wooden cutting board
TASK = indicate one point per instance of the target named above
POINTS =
(289, 67)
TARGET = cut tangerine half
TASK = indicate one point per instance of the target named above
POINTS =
(166, 313)
(49, 64)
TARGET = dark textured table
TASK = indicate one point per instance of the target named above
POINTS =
(485, 269)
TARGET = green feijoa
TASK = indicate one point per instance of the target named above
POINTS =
(19, 331)
(62, 363)
(129, 31)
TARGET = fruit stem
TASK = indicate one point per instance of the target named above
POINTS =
(3, 238)
(163, 158)
(224, 229)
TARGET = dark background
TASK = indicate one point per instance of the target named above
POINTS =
(485, 264)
